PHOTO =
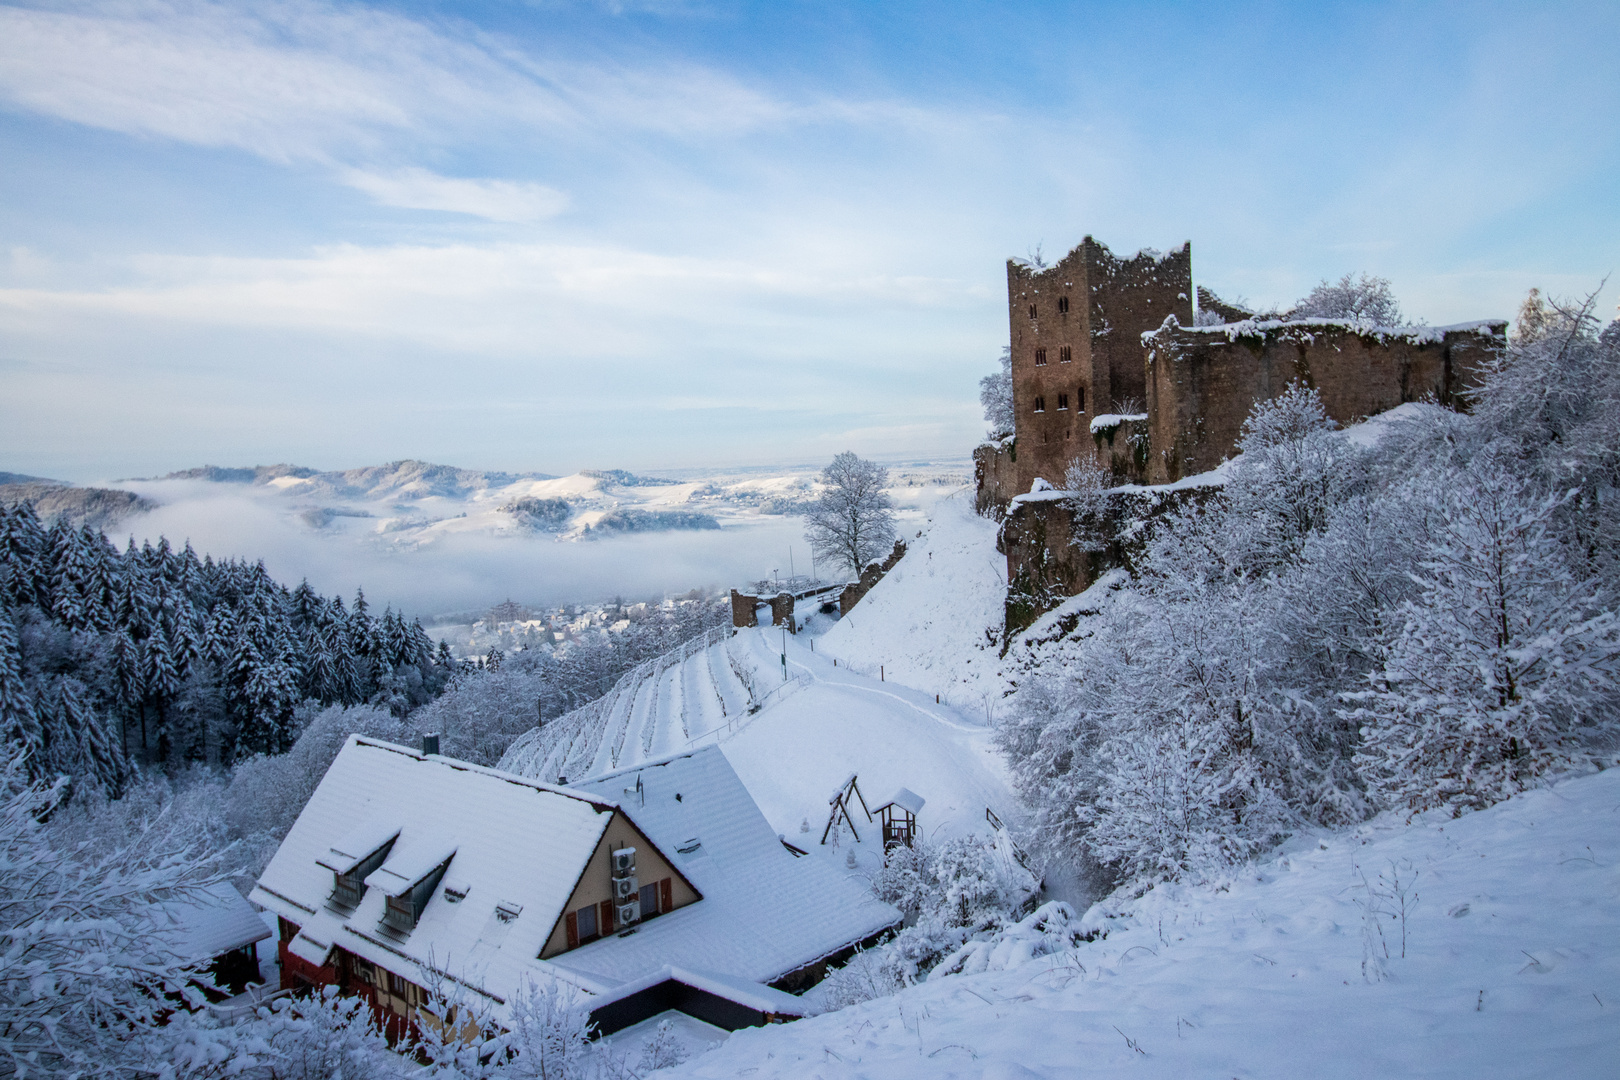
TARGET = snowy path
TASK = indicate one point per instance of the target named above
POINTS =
(1512, 969)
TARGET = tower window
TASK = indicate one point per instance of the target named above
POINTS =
(1065, 355)
(1081, 403)
(1063, 402)
(1063, 305)
(1040, 404)
(1032, 311)
(1040, 357)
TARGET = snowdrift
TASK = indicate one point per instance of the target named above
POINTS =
(1295, 968)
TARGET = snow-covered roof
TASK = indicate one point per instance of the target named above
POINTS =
(767, 999)
(904, 798)
(511, 842)
(516, 849)
(209, 922)
(765, 911)
(357, 843)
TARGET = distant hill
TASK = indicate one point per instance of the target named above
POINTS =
(99, 508)
(7, 478)
(407, 479)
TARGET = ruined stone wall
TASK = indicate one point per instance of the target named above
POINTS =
(870, 576)
(995, 478)
(1203, 381)
(1129, 297)
(743, 607)
(1076, 346)
(1053, 552)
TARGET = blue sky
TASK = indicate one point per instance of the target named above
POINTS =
(554, 235)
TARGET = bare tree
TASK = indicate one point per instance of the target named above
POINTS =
(1365, 299)
(996, 395)
(853, 521)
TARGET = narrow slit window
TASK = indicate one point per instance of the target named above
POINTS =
(1040, 404)
(1063, 402)
(1063, 305)
(1040, 357)
(1080, 399)
(1065, 354)
(1032, 311)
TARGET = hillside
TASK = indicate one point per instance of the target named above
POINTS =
(1510, 969)
(99, 508)
(934, 621)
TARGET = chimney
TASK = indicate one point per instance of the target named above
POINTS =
(430, 743)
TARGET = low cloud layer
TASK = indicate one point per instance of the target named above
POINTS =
(463, 573)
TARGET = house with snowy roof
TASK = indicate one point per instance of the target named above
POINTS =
(659, 887)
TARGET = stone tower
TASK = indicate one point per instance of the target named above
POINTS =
(1077, 345)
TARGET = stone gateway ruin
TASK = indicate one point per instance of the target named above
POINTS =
(1112, 364)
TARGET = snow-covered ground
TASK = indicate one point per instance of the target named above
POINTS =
(934, 621)
(1511, 969)
(793, 740)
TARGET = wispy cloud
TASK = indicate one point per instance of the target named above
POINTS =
(295, 80)
(493, 200)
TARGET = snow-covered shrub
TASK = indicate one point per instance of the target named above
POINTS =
(956, 883)
(1050, 928)
(1504, 659)
(321, 1036)
(871, 973)
(84, 969)
(663, 1049)
(1086, 483)
(970, 885)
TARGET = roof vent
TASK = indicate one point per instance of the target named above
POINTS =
(430, 743)
(506, 911)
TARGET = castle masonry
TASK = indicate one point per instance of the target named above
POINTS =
(1077, 346)
(1107, 365)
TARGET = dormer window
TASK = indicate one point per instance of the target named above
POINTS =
(354, 857)
(408, 880)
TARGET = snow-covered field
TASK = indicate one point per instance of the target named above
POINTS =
(1511, 968)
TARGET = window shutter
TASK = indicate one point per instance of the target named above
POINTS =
(572, 926)
(607, 918)
(666, 895)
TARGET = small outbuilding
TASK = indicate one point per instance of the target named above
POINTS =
(217, 930)
(899, 818)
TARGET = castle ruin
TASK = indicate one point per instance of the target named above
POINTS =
(1108, 365)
